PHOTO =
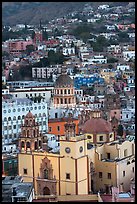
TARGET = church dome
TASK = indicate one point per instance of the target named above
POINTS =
(64, 81)
(96, 125)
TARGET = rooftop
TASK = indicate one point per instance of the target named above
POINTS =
(22, 189)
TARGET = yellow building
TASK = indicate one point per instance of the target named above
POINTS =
(107, 75)
(66, 173)
(114, 165)
(80, 168)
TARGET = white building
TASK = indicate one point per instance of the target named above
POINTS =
(13, 113)
(33, 92)
(99, 59)
(105, 6)
(45, 72)
(127, 114)
(123, 67)
(68, 51)
(114, 49)
(52, 142)
(129, 55)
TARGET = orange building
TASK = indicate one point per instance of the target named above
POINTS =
(57, 126)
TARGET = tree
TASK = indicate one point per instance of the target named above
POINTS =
(45, 35)
(33, 35)
(112, 60)
(29, 49)
(123, 37)
(110, 66)
(120, 130)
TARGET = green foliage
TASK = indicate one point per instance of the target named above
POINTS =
(112, 60)
(83, 31)
(57, 32)
(123, 37)
(101, 42)
(45, 35)
(29, 49)
(4, 53)
(120, 130)
(25, 71)
(55, 58)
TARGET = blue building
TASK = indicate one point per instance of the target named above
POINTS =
(87, 80)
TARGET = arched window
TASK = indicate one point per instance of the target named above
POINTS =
(9, 118)
(5, 119)
(22, 144)
(14, 118)
(57, 101)
(36, 145)
(19, 117)
(61, 101)
(46, 173)
(23, 117)
(28, 145)
(27, 133)
(65, 101)
(69, 100)
(65, 91)
(39, 143)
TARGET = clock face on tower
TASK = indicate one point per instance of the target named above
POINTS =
(67, 150)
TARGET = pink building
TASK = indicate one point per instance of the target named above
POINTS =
(17, 46)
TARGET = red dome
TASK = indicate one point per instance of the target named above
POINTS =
(96, 125)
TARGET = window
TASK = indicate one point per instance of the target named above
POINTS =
(10, 127)
(50, 129)
(58, 128)
(88, 137)
(67, 176)
(56, 115)
(68, 91)
(5, 127)
(9, 118)
(101, 138)
(110, 136)
(10, 136)
(14, 126)
(125, 152)
(100, 174)
(126, 115)
(9, 111)
(46, 174)
(65, 101)
(133, 169)
(109, 175)
(19, 117)
(124, 173)
(108, 155)
(65, 91)
(132, 148)
(25, 171)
